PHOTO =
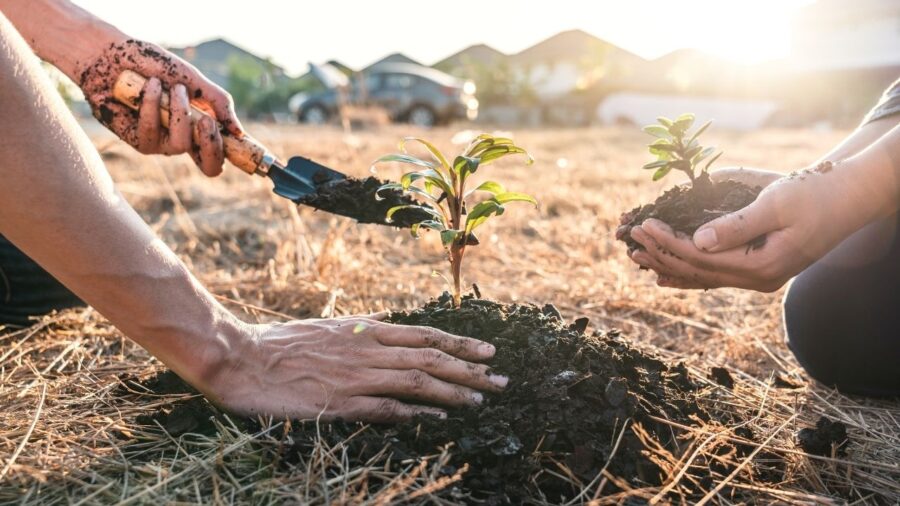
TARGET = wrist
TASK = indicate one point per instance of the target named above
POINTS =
(864, 192)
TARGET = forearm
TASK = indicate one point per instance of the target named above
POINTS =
(871, 178)
(60, 32)
(58, 204)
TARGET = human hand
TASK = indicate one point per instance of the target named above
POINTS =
(185, 85)
(353, 368)
(750, 177)
(800, 217)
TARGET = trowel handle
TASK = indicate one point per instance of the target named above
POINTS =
(246, 153)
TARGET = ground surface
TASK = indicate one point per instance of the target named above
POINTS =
(67, 427)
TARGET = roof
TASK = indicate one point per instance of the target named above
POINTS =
(212, 58)
(392, 58)
(571, 45)
(478, 53)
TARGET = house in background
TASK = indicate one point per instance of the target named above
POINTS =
(391, 58)
(688, 80)
(844, 55)
(472, 57)
(214, 58)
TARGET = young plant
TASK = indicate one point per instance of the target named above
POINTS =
(674, 150)
(446, 186)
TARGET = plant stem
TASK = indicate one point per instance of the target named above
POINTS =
(456, 256)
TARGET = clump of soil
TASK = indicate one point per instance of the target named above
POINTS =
(827, 435)
(687, 208)
(569, 396)
(721, 376)
(355, 198)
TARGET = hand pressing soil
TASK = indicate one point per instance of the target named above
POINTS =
(570, 396)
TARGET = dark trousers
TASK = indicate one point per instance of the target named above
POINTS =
(842, 314)
(26, 289)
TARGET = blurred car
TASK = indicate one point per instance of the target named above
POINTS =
(419, 95)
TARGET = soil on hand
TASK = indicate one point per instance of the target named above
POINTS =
(571, 407)
(687, 208)
(355, 198)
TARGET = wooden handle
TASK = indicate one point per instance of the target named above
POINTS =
(246, 153)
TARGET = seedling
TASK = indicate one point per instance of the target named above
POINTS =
(674, 152)
(445, 186)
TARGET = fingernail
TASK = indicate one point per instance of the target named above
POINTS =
(498, 380)
(486, 349)
(477, 397)
(706, 239)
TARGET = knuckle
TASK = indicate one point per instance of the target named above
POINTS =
(430, 358)
(416, 380)
(387, 408)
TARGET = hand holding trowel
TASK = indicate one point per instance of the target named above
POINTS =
(301, 180)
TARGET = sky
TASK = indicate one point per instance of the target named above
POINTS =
(358, 32)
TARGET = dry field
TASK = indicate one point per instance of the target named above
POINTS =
(67, 432)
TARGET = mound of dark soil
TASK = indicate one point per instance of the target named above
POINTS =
(569, 396)
(355, 198)
(687, 208)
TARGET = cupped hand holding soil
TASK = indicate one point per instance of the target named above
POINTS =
(352, 368)
(801, 217)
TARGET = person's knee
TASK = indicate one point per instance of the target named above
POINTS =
(807, 334)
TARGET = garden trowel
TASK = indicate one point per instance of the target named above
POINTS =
(299, 178)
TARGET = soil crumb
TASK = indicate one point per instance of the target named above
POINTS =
(721, 376)
(687, 208)
(355, 198)
(572, 407)
(827, 435)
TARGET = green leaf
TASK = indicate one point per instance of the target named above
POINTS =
(411, 189)
(702, 155)
(681, 125)
(448, 236)
(481, 212)
(403, 158)
(491, 187)
(655, 165)
(691, 152)
(662, 145)
(661, 173)
(657, 131)
(435, 152)
(431, 224)
(664, 121)
(392, 211)
(699, 131)
(496, 152)
(706, 169)
(503, 198)
(465, 164)
(429, 175)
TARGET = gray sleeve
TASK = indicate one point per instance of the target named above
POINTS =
(887, 106)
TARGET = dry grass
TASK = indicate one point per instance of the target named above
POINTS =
(67, 433)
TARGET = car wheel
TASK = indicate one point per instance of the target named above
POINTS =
(315, 115)
(421, 115)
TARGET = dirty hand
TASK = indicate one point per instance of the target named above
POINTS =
(801, 217)
(750, 177)
(353, 368)
(165, 72)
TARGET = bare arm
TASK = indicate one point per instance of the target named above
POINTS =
(58, 204)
